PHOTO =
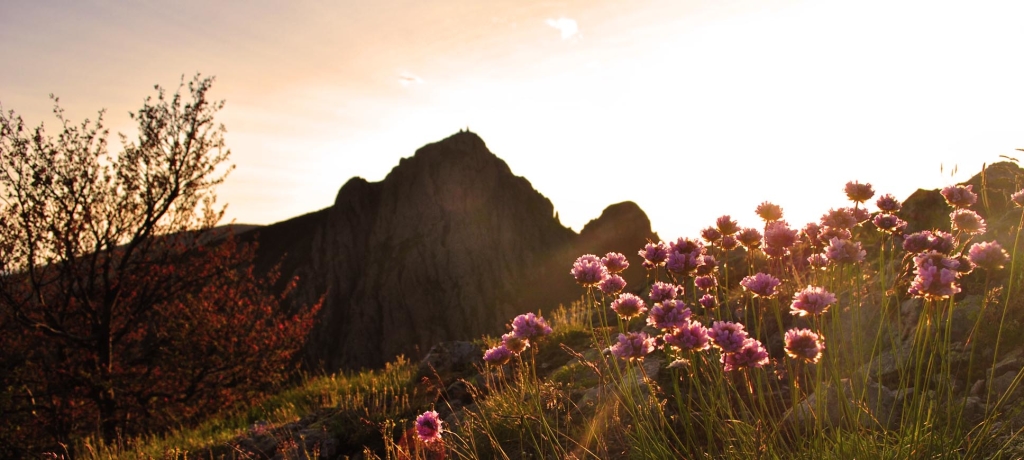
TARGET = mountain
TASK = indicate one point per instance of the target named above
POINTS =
(450, 245)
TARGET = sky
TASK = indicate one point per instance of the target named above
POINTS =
(692, 109)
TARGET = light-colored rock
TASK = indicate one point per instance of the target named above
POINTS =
(870, 405)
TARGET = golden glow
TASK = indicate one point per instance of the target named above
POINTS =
(691, 109)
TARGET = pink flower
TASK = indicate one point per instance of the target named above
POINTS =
(664, 291)
(682, 263)
(726, 226)
(628, 306)
(655, 253)
(727, 336)
(936, 276)
(888, 203)
(889, 223)
(845, 251)
(428, 427)
(859, 193)
(967, 221)
(706, 265)
(959, 196)
(530, 326)
(707, 301)
(687, 246)
(690, 336)
(705, 283)
(818, 261)
(751, 354)
(941, 241)
(917, 242)
(588, 270)
(761, 285)
(750, 238)
(615, 262)
(811, 234)
(497, 356)
(515, 343)
(633, 346)
(804, 344)
(988, 255)
(778, 238)
(827, 233)
(860, 214)
(612, 285)
(729, 242)
(926, 240)
(839, 218)
(1018, 198)
(670, 314)
(769, 212)
(711, 234)
(811, 301)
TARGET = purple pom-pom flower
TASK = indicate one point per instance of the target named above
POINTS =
(761, 285)
(633, 346)
(628, 306)
(812, 301)
(428, 426)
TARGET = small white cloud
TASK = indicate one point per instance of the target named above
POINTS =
(566, 26)
(406, 79)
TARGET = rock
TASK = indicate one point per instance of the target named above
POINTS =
(885, 368)
(965, 315)
(1002, 384)
(872, 405)
(974, 411)
(1013, 361)
(651, 366)
(447, 358)
(457, 395)
(450, 245)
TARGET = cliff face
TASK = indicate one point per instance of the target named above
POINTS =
(450, 245)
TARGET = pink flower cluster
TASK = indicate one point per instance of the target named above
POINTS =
(959, 196)
(811, 301)
(685, 255)
(988, 255)
(633, 346)
(524, 328)
(922, 241)
(428, 427)
(804, 345)
(935, 277)
(761, 285)
(778, 238)
(844, 251)
(629, 306)
(669, 314)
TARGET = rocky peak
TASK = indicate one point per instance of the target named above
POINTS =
(450, 245)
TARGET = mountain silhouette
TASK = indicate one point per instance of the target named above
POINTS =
(450, 245)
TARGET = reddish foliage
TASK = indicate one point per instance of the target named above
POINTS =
(122, 309)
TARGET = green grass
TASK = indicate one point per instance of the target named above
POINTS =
(350, 406)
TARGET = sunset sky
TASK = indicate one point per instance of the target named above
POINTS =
(692, 109)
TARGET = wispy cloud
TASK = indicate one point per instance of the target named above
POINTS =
(406, 79)
(566, 26)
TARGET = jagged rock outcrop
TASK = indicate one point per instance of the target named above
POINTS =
(450, 245)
